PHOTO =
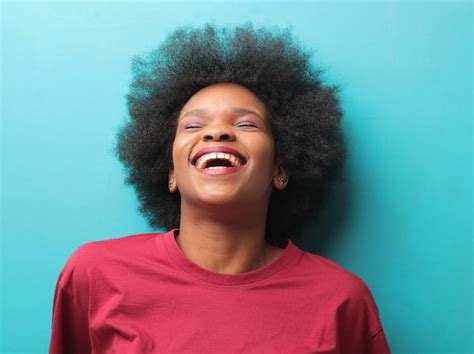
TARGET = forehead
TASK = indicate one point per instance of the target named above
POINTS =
(224, 96)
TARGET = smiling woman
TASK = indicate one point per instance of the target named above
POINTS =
(233, 145)
(226, 120)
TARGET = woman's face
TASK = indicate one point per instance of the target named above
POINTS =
(228, 119)
(223, 151)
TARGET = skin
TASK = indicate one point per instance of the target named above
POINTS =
(222, 220)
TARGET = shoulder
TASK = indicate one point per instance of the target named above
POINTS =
(347, 292)
(92, 252)
(113, 245)
(93, 256)
(326, 271)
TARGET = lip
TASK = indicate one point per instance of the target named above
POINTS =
(219, 171)
(221, 148)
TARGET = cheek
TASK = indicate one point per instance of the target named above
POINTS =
(265, 152)
(269, 147)
(179, 151)
(173, 152)
(179, 159)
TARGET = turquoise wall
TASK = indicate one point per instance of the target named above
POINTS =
(401, 220)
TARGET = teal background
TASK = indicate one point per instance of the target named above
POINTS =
(402, 220)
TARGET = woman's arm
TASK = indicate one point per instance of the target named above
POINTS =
(70, 328)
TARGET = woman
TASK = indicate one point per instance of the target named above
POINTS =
(233, 145)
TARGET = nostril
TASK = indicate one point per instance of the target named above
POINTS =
(220, 137)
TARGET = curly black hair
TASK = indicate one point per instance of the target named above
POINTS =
(304, 115)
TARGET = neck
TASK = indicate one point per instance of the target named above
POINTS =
(222, 240)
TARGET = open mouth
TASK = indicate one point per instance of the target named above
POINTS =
(219, 160)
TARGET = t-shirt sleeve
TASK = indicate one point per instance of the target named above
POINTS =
(378, 343)
(70, 324)
(361, 328)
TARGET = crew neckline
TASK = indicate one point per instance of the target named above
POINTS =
(177, 256)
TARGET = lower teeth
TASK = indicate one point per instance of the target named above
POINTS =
(215, 167)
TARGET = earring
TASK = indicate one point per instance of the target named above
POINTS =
(170, 183)
(281, 180)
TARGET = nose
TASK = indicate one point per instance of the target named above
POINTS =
(218, 132)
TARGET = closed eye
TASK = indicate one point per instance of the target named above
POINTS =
(247, 124)
(192, 126)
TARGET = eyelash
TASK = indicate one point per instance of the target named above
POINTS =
(191, 126)
(241, 124)
(247, 124)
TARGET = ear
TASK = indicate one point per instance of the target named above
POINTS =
(172, 185)
(280, 174)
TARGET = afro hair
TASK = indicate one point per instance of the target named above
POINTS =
(304, 114)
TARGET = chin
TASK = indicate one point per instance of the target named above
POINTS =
(219, 199)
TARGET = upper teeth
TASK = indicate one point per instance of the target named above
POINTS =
(201, 161)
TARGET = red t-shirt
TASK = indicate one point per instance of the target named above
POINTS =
(140, 294)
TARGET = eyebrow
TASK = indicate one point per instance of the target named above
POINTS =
(202, 111)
